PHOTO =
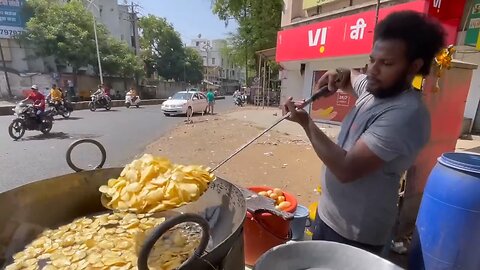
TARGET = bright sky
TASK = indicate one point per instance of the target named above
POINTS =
(189, 17)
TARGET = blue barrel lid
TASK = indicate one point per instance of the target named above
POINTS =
(464, 161)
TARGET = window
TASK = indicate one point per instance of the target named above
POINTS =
(197, 44)
(182, 96)
(233, 73)
(222, 62)
(202, 96)
(213, 60)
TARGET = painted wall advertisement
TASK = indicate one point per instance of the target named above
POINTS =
(12, 22)
(473, 24)
(333, 108)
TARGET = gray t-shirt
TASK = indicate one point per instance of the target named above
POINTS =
(395, 129)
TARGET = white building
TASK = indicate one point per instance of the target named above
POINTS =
(218, 67)
(117, 18)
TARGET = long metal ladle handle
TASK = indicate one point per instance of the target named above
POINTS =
(322, 92)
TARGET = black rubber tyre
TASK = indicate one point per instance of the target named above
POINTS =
(18, 127)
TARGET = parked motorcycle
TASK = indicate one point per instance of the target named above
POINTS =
(132, 101)
(28, 120)
(96, 102)
(64, 108)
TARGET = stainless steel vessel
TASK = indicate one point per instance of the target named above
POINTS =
(321, 255)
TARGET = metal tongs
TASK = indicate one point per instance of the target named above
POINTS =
(321, 93)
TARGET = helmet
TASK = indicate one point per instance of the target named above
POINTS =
(35, 87)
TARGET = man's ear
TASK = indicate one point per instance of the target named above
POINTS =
(416, 65)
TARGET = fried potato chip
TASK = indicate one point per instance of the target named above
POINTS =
(151, 184)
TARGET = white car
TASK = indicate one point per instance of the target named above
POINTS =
(183, 101)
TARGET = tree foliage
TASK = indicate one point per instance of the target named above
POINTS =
(65, 31)
(163, 51)
(118, 59)
(193, 66)
(259, 22)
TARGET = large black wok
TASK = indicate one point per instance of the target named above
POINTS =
(28, 210)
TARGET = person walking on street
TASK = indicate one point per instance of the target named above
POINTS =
(71, 88)
(211, 101)
(379, 139)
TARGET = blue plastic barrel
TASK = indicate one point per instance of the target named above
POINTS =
(448, 223)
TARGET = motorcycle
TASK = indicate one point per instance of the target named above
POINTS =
(239, 101)
(99, 102)
(132, 101)
(28, 120)
(58, 108)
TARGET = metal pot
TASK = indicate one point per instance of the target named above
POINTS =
(321, 255)
(28, 210)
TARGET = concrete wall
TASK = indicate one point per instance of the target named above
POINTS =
(21, 83)
(468, 54)
(167, 89)
(22, 58)
(294, 13)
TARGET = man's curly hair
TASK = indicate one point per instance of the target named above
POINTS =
(424, 37)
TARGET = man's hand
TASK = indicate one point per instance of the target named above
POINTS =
(296, 115)
(335, 79)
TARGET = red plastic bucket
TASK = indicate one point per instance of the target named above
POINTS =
(264, 231)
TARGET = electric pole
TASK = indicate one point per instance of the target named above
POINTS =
(134, 36)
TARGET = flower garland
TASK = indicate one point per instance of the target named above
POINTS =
(443, 62)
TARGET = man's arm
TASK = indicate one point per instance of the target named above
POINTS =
(346, 166)
(340, 78)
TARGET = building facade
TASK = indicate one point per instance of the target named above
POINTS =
(119, 19)
(218, 68)
(320, 35)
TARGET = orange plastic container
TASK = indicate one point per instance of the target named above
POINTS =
(264, 231)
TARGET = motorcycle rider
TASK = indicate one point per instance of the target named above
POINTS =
(131, 96)
(55, 96)
(101, 94)
(238, 97)
(38, 101)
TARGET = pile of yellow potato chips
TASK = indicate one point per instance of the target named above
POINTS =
(152, 184)
(107, 241)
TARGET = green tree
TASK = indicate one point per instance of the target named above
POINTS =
(193, 66)
(259, 22)
(162, 47)
(118, 59)
(64, 31)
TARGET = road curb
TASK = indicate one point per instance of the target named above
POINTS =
(83, 105)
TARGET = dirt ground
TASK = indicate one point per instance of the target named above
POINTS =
(275, 160)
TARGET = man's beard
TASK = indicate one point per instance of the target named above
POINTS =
(398, 87)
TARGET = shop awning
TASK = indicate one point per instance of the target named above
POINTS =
(267, 53)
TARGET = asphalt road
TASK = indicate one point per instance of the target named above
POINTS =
(124, 133)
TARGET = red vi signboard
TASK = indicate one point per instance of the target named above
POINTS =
(344, 36)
